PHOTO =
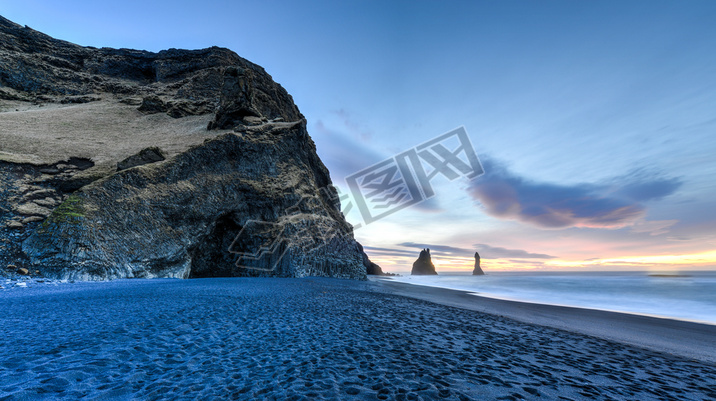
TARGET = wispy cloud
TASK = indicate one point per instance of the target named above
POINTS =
(486, 251)
(355, 128)
(345, 155)
(616, 204)
(448, 250)
(525, 262)
(642, 186)
(494, 252)
(654, 227)
(389, 252)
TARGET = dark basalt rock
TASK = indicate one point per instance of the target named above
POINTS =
(207, 211)
(173, 107)
(370, 267)
(478, 270)
(34, 66)
(145, 156)
(179, 218)
(26, 199)
(80, 99)
(374, 269)
(424, 264)
(245, 93)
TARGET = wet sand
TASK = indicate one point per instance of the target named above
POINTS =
(306, 339)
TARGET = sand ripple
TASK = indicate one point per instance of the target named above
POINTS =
(294, 339)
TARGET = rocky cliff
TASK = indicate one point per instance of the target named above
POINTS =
(424, 264)
(123, 163)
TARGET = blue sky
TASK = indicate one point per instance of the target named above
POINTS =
(595, 121)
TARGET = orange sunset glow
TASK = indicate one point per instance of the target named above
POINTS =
(695, 261)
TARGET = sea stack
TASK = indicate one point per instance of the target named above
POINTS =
(478, 270)
(424, 265)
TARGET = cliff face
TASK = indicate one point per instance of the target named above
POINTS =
(36, 67)
(124, 163)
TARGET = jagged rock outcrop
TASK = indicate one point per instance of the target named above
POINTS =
(34, 66)
(132, 183)
(248, 96)
(145, 156)
(371, 267)
(424, 264)
(179, 218)
(477, 271)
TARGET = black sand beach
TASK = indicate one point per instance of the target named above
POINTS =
(311, 339)
(682, 338)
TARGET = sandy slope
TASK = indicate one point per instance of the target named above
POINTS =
(306, 339)
(106, 131)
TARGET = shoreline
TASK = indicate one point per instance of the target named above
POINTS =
(677, 337)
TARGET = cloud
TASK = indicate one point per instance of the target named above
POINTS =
(344, 155)
(679, 239)
(429, 206)
(526, 262)
(642, 186)
(372, 250)
(616, 204)
(449, 250)
(494, 252)
(654, 227)
(486, 251)
(355, 128)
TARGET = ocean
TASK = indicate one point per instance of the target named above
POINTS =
(690, 296)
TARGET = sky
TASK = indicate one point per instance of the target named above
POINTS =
(594, 122)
